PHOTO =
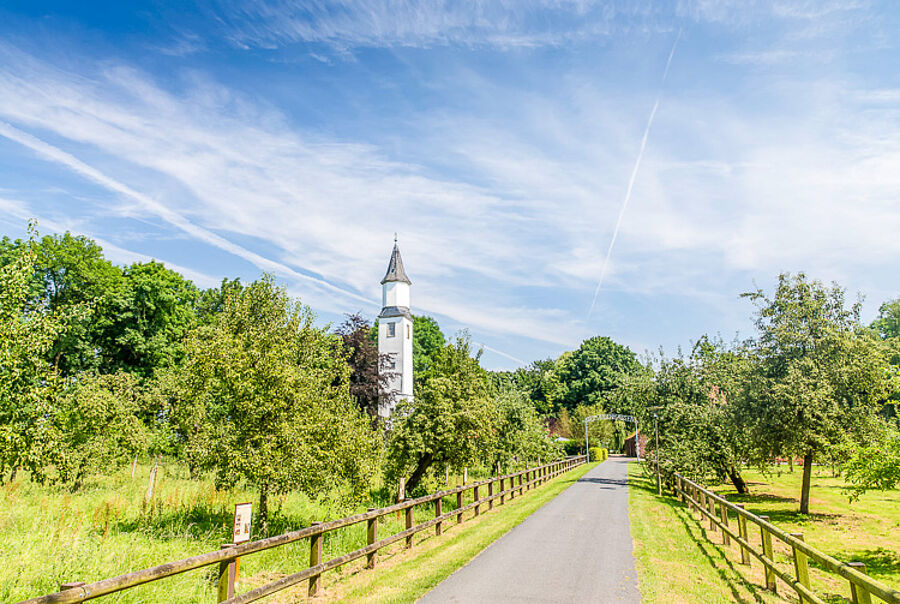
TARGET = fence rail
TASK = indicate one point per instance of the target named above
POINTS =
(227, 556)
(716, 509)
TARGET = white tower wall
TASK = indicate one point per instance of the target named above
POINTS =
(395, 327)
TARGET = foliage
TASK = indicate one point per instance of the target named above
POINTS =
(818, 376)
(520, 434)
(449, 421)
(368, 372)
(592, 373)
(263, 397)
(887, 324)
(874, 466)
(539, 382)
(95, 427)
(28, 384)
(150, 320)
(428, 339)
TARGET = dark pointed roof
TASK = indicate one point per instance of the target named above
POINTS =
(395, 270)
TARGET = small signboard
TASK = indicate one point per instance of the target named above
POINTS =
(242, 514)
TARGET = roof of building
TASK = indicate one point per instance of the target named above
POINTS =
(395, 311)
(395, 270)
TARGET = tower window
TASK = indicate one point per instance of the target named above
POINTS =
(392, 330)
(407, 332)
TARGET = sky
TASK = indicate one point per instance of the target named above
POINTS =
(553, 169)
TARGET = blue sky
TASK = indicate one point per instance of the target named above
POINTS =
(501, 141)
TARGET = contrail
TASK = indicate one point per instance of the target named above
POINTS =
(501, 353)
(634, 172)
(174, 218)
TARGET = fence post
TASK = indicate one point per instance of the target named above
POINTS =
(702, 501)
(768, 553)
(226, 576)
(801, 566)
(475, 497)
(858, 593)
(315, 558)
(502, 488)
(723, 515)
(371, 537)
(459, 516)
(512, 488)
(742, 532)
(409, 525)
(491, 494)
(712, 513)
(521, 488)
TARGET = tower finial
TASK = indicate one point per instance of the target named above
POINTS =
(395, 238)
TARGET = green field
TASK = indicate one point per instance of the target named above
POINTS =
(678, 561)
(50, 536)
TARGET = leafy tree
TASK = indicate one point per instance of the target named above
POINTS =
(519, 432)
(428, 339)
(539, 382)
(449, 421)
(888, 321)
(95, 426)
(210, 302)
(150, 320)
(71, 271)
(818, 378)
(263, 397)
(694, 402)
(28, 384)
(592, 373)
(875, 465)
(369, 375)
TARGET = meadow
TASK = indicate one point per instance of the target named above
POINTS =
(679, 561)
(50, 535)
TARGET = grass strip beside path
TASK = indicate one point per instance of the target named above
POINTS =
(406, 575)
(675, 558)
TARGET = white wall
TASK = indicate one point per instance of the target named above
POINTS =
(395, 293)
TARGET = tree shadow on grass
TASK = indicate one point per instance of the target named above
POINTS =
(879, 561)
(754, 497)
(726, 570)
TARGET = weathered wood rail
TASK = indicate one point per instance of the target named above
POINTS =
(508, 486)
(716, 509)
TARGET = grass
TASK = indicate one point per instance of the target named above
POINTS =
(679, 561)
(867, 530)
(50, 536)
(675, 561)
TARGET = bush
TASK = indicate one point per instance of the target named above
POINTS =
(571, 447)
(599, 454)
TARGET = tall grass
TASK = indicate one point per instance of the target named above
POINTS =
(49, 535)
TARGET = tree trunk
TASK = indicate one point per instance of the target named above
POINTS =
(419, 472)
(807, 478)
(263, 507)
(737, 480)
(791, 462)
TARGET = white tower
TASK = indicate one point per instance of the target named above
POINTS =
(395, 333)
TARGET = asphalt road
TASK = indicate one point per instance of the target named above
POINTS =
(577, 548)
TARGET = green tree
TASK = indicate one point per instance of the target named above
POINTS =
(449, 421)
(818, 378)
(150, 320)
(263, 397)
(28, 384)
(428, 339)
(95, 427)
(888, 321)
(592, 373)
(71, 271)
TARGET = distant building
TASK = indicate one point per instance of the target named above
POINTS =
(636, 447)
(395, 334)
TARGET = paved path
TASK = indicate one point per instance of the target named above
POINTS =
(576, 548)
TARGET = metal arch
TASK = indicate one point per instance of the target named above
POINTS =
(614, 417)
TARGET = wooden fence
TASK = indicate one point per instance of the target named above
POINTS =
(508, 486)
(717, 510)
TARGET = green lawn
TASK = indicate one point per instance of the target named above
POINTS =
(867, 530)
(675, 560)
(678, 561)
(50, 536)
